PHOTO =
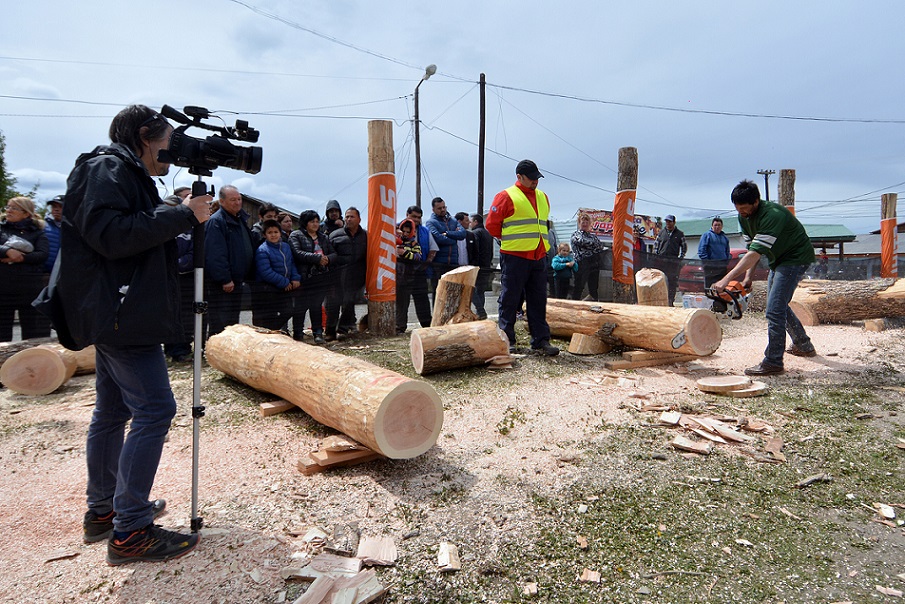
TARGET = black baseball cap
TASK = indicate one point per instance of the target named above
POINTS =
(58, 199)
(529, 169)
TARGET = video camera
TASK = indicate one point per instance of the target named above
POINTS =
(201, 156)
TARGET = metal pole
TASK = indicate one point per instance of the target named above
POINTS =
(417, 150)
(481, 140)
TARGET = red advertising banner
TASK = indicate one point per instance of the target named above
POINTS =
(381, 274)
(889, 249)
(602, 223)
(623, 238)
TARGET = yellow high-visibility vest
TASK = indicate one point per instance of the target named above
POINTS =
(522, 230)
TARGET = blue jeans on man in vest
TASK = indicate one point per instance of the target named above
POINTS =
(781, 286)
(132, 384)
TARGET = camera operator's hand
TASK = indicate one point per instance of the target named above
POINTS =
(200, 206)
(229, 287)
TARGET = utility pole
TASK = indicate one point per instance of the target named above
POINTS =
(481, 141)
(767, 174)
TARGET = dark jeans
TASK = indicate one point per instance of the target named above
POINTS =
(132, 384)
(310, 301)
(670, 268)
(183, 347)
(481, 286)
(781, 286)
(563, 283)
(18, 296)
(529, 277)
(274, 307)
(340, 303)
(412, 285)
(588, 273)
(223, 308)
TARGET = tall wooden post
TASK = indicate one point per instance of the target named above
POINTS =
(787, 189)
(889, 237)
(623, 224)
(381, 273)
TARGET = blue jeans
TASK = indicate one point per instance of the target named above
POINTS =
(781, 285)
(529, 276)
(132, 384)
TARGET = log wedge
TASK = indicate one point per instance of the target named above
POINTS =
(690, 331)
(452, 301)
(457, 345)
(389, 413)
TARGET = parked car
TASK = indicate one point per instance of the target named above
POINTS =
(691, 276)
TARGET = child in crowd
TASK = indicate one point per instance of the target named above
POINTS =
(276, 268)
(407, 248)
(564, 266)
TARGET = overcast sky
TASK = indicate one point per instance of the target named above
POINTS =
(568, 84)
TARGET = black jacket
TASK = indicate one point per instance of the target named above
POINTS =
(33, 265)
(118, 283)
(306, 260)
(228, 252)
(351, 254)
(485, 247)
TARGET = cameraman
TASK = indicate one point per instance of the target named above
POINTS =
(117, 283)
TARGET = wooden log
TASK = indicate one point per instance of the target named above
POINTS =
(453, 346)
(8, 349)
(389, 413)
(583, 344)
(452, 302)
(624, 210)
(817, 302)
(381, 256)
(689, 331)
(652, 287)
(43, 369)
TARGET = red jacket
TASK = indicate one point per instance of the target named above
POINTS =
(501, 209)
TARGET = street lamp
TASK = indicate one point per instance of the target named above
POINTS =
(428, 72)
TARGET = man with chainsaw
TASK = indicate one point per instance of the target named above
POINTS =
(771, 230)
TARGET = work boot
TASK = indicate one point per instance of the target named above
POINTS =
(764, 369)
(545, 349)
(150, 544)
(97, 528)
(808, 351)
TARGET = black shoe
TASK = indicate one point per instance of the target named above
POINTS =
(97, 528)
(330, 337)
(151, 544)
(319, 339)
(512, 350)
(546, 349)
(764, 369)
(801, 352)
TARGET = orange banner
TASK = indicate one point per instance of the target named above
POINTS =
(889, 249)
(623, 239)
(381, 275)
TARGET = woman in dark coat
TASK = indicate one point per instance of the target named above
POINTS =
(23, 251)
(315, 259)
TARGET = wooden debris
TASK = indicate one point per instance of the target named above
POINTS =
(670, 418)
(341, 442)
(319, 461)
(61, 554)
(345, 539)
(584, 344)
(317, 591)
(623, 364)
(360, 589)
(755, 389)
(721, 384)
(530, 589)
(889, 591)
(452, 300)
(788, 513)
(709, 436)
(589, 576)
(335, 565)
(377, 551)
(812, 479)
(885, 511)
(582, 542)
(275, 407)
(774, 446)
(692, 446)
(448, 558)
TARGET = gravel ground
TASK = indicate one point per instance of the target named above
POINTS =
(507, 435)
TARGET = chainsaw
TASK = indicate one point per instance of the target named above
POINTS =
(731, 302)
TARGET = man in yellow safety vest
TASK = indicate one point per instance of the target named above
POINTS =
(518, 218)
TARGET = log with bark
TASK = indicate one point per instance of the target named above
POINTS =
(652, 287)
(8, 349)
(452, 301)
(458, 345)
(43, 369)
(691, 331)
(817, 301)
(389, 413)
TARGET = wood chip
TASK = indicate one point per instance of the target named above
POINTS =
(333, 564)
(686, 444)
(774, 447)
(60, 554)
(708, 436)
(812, 479)
(379, 551)
(889, 591)
(317, 591)
(589, 576)
(344, 541)
(670, 418)
(448, 558)
(530, 589)
(275, 407)
(582, 542)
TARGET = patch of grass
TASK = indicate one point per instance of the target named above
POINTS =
(511, 417)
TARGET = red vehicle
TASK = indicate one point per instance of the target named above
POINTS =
(691, 276)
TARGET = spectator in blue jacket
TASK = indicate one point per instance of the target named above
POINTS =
(52, 225)
(276, 269)
(447, 232)
(229, 259)
(713, 250)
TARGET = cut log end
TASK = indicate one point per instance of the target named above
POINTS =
(409, 421)
(36, 371)
(706, 330)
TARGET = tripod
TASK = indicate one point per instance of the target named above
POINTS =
(200, 308)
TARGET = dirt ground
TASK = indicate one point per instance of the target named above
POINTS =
(510, 439)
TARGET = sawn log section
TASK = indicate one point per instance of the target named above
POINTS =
(692, 331)
(389, 413)
(817, 301)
